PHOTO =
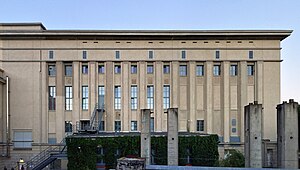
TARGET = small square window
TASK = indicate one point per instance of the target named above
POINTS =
(166, 69)
(233, 130)
(200, 70)
(68, 70)
(52, 70)
(149, 69)
(233, 122)
(183, 70)
(250, 54)
(117, 69)
(85, 69)
(217, 54)
(150, 54)
(101, 69)
(183, 54)
(233, 70)
(84, 55)
(217, 70)
(250, 70)
(133, 125)
(117, 54)
(51, 54)
(133, 69)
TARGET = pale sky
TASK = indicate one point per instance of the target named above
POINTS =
(171, 14)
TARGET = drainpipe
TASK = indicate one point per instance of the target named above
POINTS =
(7, 119)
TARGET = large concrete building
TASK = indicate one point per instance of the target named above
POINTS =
(57, 77)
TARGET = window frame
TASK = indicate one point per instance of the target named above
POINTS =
(51, 101)
(251, 71)
(68, 70)
(150, 54)
(233, 70)
(183, 54)
(200, 125)
(150, 69)
(117, 54)
(166, 96)
(52, 73)
(133, 125)
(85, 98)
(183, 70)
(101, 69)
(150, 97)
(166, 71)
(118, 126)
(217, 72)
(118, 69)
(134, 97)
(201, 72)
(68, 98)
(133, 69)
(117, 98)
(85, 69)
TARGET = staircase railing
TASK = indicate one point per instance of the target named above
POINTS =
(93, 123)
(61, 148)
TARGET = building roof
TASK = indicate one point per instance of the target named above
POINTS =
(39, 31)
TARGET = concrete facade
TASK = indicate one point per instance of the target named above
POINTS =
(253, 135)
(146, 136)
(158, 70)
(173, 137)
(287, 135)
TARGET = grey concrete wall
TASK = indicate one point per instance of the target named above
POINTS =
(253, 135)
(173, 137)
(287, 134)
(146, 136)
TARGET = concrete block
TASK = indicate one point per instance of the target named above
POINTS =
(172, 137)
(146, 136)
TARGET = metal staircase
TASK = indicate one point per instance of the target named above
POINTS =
(47, 156)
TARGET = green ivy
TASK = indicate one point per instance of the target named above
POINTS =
(83, 153)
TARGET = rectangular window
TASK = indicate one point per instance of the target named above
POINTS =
(51, 54)
(133, 125)
(250, 54)
(85, 98)
(85, 69)
(250, 70)
(152, 124)
(166, 69)
(183, 54)
(84, 54)
(217, 54)
(117, 69)
(149, 69)
(101, 95)
(69, 98)
(68, 126)
(134, 95)
(84, 124)
(117, 54)
(101, 69)
(183, 70)
(52, 97)
(200, 125)
(118, 97)
(217, 70)
(150, 97)
(23, 139)
(68, 70)
(102, 126)
(233, 70)
(150, 55)
(199, 70)
(51, 70)
(117, 126)
(133, 69)
(166, 97)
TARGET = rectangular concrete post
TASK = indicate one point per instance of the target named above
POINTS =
(173, 137)
(146, 136)
(287, 135)
(253, 135)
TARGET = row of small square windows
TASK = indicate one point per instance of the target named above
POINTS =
(161, 42)
(150, 54)
(183, 70)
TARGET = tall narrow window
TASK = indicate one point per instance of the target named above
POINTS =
(166, 97)
(85, 69)
(234, 70)
(101, 95)
(133, 69)
(217, 70)
(217, 54)
(150, 97)
(150, 55)
(85, 97)
(134, 99)
(200, 125)
(117, 54)
(68, 126)
(69, 98)
(166, 69)
(68, 70)
(199, 70)
(183, 70)
(250, 70)
(102, 126)
(84, 55)
(117, 97)
(149, 69)
(133, 125)
(101, 69)
(117, 69)
(250, 55)
(117, 126)
(51, 54)
(183, 54)
(52, 96)
(52, 70)
(152, 124)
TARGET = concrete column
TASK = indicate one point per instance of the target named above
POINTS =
(142, 86)
(175, 85)
(287, 134)
(173, 137)
(158, 97)
(226, 100)
(146, 135)
(76, 93)
(192, 97)
(259, 81)
(60, 120)
(209, 96)
(44, 109)
(125, 97)
(253, 135)
(92, 86)
(242, 92)
(109, 91)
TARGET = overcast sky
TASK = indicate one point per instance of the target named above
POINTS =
(171, 14)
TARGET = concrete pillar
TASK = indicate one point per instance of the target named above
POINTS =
(146, 135)
(287, 134)
(60, 120)
(173, 137)
(253, 135)
(226, 101)
(109, 99)
(209, 96)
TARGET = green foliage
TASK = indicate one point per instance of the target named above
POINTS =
(234, 159)
(83, 153)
